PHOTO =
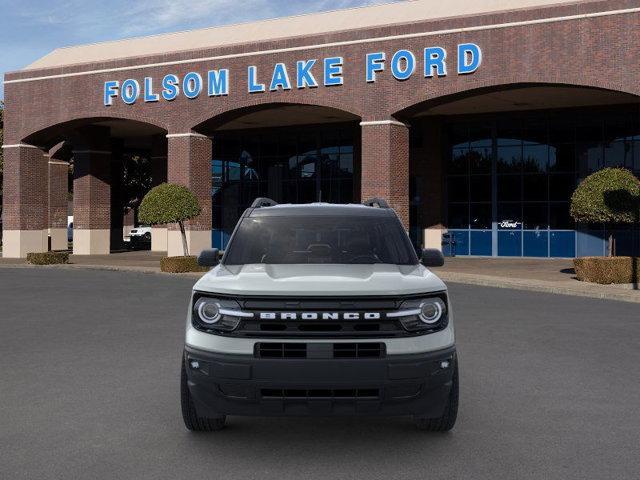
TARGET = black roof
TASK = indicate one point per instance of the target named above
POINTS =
(319, 209)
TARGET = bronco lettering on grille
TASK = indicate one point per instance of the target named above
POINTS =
(319, 316)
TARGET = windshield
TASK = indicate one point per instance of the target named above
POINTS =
(320, 239)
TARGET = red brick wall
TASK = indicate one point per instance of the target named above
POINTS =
(600, 51)
(189, 164)
(58, 192)
(385, 166)
(25, 189)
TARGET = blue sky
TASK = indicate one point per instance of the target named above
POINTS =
(30, 29)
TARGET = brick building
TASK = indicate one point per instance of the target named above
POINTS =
(475, 119)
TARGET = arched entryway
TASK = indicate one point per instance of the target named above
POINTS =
(495, 168)
(91, 172)
(288, 152)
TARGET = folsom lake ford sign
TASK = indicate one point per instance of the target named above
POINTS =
(308, 73)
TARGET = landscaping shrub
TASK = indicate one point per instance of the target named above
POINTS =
(181, 264)
(610, 195)
(170, 203)
(607, 270)
(48, 258)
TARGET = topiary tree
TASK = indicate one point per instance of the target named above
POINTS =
(611, 195)
(170, 203)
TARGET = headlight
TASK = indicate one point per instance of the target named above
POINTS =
(215, 314)
(431, 311)
(423, 315)
(208, 310)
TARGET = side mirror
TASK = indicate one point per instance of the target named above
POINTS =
(209, 258)
(432, 257)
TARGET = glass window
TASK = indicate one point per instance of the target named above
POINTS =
(458, 189)
(480, 136)
(535, 216)
(480, 216)
(509, 133)
(459, 161)
(589, 130)
(561, 187)
(589, 157)
(559, 217)
(480, 159)
(618, 154)
(509, 188)
(510, 216)
(562, 158)
(321, 239)
(509, 159)
(481, 188)
(534, 188)
(535, 158)
(458, 215)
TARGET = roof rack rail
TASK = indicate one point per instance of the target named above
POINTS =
(263, 202)
(376, 202)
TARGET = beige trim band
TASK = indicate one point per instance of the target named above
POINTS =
(383, 122)
(190, 134)
(21, 145)
(336, 44)
(58, 162)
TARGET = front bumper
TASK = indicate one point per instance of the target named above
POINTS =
(413, 384)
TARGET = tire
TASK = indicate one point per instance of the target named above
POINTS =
(191, 419)
(448, 418)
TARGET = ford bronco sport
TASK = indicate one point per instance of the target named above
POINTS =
(319, 309)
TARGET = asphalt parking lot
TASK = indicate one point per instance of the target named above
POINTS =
(550, 388)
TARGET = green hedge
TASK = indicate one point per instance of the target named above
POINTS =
(610, 195)
(181, 265)
(607, 270)
(48, 258)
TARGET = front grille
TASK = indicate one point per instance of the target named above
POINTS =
(358, 350)
(320, 350)
(325, 393)
(281, 350)
(383, 328)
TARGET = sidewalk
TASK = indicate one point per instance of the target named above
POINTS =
(538, 275)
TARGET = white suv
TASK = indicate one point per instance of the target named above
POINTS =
(319, 309)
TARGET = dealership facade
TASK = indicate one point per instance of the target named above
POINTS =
(475, 120)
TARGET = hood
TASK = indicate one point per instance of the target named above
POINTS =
(319, 280)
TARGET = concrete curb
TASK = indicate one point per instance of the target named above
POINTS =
(579, 289)
(112, 268)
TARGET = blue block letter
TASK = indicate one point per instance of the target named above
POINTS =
(218, 82)
(469, 58)
(130, 91)
(170, 87)
(192, 84)
(397, 69)
(149, 96)
(110, 92)
(280, 78)
(434, 58)
(253, 86)
(333, 71)
(304, 77)
(375, 63)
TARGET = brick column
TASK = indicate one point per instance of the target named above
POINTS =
(158, 175)
(58, 191)
(25, 211)
(92, 192)
(385, 164)
(189, 164)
